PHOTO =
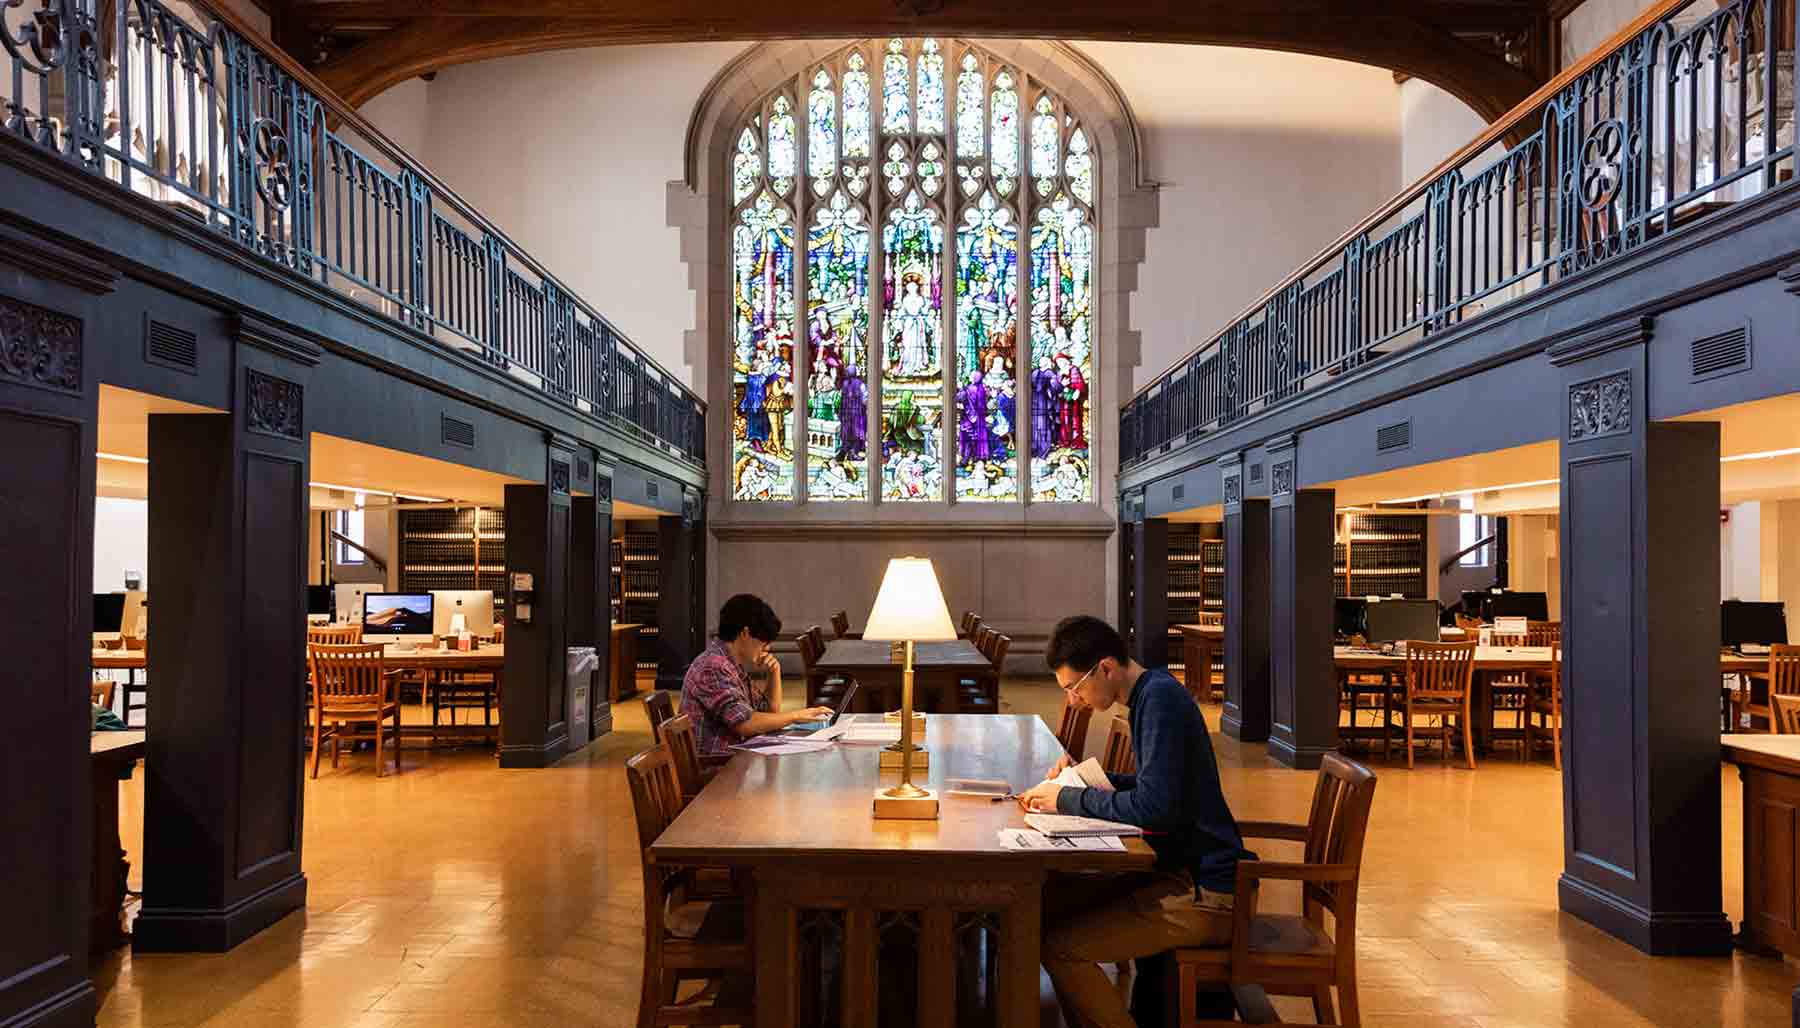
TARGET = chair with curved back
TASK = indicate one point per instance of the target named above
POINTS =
(683, 940)
(677, 733)
(1118, 759)
(659, 706)
(981, 694)
(1293, 954)
(1784, 680)
(1437, 683)
(1787, 714)
(352, 687)
(1546, 708)
(1072, 727)
(840, 624)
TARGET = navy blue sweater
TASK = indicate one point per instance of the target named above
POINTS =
(1175, 796)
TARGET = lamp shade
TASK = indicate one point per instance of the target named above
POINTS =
(910, 604)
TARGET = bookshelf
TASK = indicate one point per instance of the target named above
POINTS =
(637, 583)
(1196, 582)
(1379, 555)
(453, 548)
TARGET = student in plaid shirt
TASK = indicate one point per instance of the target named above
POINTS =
(716, 693)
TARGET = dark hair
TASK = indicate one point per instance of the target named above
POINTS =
(746, 611)
(1080, 642)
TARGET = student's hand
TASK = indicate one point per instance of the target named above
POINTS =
(1062, 763)
(811, 714)
(769, 664)
(1040, 798)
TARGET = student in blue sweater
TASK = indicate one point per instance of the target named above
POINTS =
(1174, 797)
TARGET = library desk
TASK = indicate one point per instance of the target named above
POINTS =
(114, 754)
(824, 867)
(1200, 646)
(486, 659)
(621, 673)
(937, 667)
(1770, 768)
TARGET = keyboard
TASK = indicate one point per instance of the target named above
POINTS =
(1753, 649)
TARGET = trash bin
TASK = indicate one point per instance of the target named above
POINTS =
(583, 663)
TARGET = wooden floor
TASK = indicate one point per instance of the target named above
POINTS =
(461, 895)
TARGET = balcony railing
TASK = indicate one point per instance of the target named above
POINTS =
(1690, 108)
(184, 107)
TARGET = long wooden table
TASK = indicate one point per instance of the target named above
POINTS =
(1770, 768)
(803, 826)
(937, 667)
(114, 754)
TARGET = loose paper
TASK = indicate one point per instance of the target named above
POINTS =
(1031, 839)
(775, 746)
(1086, 775)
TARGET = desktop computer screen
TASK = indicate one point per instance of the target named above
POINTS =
(347, 598)
(109, 611)
(1348, 614)
(318, 599)
(1742, 622)
(475, 605)
(1398, 620)
(1531, 606)
(396, 617)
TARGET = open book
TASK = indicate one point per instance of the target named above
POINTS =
(1085, 775)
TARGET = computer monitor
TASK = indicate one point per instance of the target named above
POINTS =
(396, 617)
(348, 599)
(1347, 619)
(134, 620)
(1742, 621)
(1398, 620)
(1531, 606)
(475, 605)
(1474, 603)
(109, 611)
(318, 599)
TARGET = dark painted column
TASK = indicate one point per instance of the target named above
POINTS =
(1640, 576)
(1304, 717)
(1246, 715)
(1150, 592)
(47, 443)
(590, 615)
(534, 699)
(680, 622)
(227, 652)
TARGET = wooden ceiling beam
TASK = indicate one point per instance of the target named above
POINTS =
(1487, 83)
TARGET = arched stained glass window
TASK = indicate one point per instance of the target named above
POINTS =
(919, 215)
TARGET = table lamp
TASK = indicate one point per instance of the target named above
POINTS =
(910, 609)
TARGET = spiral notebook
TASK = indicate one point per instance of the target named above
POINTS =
(1069, 826)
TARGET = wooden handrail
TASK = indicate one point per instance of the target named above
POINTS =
(1491, 135)
(341, 110)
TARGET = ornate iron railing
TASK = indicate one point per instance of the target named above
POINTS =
(1690, 108)
(191, 111)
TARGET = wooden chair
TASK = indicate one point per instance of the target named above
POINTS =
(840, 624)
(1294, 954)
(1787, 714)
(683, 940)
(822, 690)
(1118, 759)
(1072, 728)
(1512, 691)
(334, 635)
(966, 623)
(1437, 683)
(1211, 619)
(1543, 633)
(1468, 624)
(981, 694)
(351, 687)
(658, 707)
(100, 692)
(1546, 707)
(135, 643)
(677, 734)
(1784, 680)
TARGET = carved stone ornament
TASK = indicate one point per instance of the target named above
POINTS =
(39, 347)
(1601, 407)
(1234, 489)
(603, 489)
(559, 476)
(1281, 478)
(273, 405)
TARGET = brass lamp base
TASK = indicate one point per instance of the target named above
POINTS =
(923, 807)
(893, 759)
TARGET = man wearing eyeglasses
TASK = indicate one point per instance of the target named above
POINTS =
(1175, 797)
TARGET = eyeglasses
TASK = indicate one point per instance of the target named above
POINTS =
(1083, 678)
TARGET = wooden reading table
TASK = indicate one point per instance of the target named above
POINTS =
(936, 669)
(822, 864)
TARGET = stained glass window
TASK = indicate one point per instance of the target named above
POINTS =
(912, 388)
(837, 333)
(762, 366)
(987, 466)
(1062, 257)
(940, 293)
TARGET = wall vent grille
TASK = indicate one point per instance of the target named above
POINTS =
(1178, 492)
(1393, 437)
(457, 432)
(1256, 472)
(1722, 354)
(171, 347)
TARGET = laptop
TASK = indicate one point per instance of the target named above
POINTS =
(809, 727)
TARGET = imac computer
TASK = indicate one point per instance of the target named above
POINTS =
(1530, 606)
(109, 613)
(475, 605)
(1348, 614)
(403, 618)
(348, 600)
(318, 600)
(1743, 623)
(1402, 620)
(134, 619)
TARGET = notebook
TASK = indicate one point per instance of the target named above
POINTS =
(1068, 826)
